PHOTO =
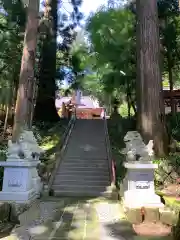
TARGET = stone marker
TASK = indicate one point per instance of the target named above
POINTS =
(21, 182)
(151, 214)
(134, 215)
(138, 185)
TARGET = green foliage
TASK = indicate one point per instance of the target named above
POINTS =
(112, 35)
(49, 136)
(173, 124)
(11, 42)
(110, 31)
(3, 150)
(123, 110)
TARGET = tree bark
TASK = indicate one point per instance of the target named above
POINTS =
(5, 121)
(171, 85)
(26, 80)
(45, 109)
(151, 114)
(128, 97)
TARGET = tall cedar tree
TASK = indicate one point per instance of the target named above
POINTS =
(151, 116)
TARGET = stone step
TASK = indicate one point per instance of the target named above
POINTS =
(90, 122)
(87, 158)
(89, 167)
(80, 188)
(95, 151)
(79, 191)
(80, 182)
(86, 148)
(81, 143)
(87, 137)
(92, 193)
(83, 171)
(84, 129)
(80, 177)
(88, 129)
(86, 164)
(82, 154)
(89, 126)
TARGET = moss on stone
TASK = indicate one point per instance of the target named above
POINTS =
(151, 214)
(134, 215)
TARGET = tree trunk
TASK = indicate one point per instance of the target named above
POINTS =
(170, 72)
(5, 121)
(30, 110)
(129, 107)
(173, 107)
(150, 100)
(134, 107)
(128, 97)
(45, 109)
(26, 79)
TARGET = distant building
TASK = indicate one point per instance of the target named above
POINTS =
(86, 106)
(82, 101)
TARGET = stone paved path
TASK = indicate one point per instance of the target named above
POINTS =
(113, 225)
(74, 219)
(69, 219)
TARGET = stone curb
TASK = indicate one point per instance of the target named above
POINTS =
(165, 215)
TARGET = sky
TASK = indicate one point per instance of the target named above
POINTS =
(91, 6)
(86, 8)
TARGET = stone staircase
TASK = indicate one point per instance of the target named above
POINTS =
(84, 168)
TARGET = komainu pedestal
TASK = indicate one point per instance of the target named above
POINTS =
(138, 185)
(21, 182)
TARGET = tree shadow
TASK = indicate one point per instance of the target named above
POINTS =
(121, 229)
(59, 224)
(5, 229)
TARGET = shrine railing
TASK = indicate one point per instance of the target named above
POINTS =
(59, 154)
(111, 162)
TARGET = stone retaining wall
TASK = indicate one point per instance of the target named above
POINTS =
(164, 215)
(9, 215)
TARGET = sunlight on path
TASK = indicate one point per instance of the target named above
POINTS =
(51, 220)
(76, 219)
(109, 215)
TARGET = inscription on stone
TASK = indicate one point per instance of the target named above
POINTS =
(14, 183)
(142, 185)
(15, 179)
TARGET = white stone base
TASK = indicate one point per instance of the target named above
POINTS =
(37, 183)
(21, 182)
(18, 197)
(38, 186)
(141, 198)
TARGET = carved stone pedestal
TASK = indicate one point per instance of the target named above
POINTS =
(138, 185)
(20, 182)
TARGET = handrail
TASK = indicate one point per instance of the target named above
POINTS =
(62, 147)
(111, 162)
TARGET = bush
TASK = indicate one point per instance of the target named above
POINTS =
(173, 125)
